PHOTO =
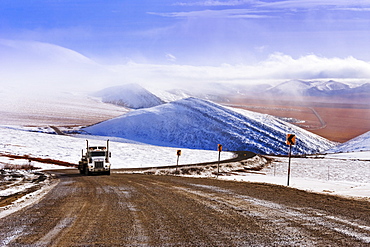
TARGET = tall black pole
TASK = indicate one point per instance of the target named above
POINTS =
(178, 157)
(219, 148)
(290, 152)
(177, 163)
(218, 164)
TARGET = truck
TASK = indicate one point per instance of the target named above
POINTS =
(95, 160)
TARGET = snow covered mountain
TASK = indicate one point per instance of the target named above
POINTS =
(357, 144)
(291, 88)
(200, 124)
(129, 95)
(317, 89)
(332, 86)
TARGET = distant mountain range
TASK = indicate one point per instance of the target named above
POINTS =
(201, 124)
(318, 89)
(136, 97)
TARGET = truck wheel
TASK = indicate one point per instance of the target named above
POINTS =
(87, 173)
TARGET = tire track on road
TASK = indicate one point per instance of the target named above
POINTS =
(142, 210)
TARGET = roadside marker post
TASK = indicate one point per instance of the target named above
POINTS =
(178, 157)
(219, 148)
(290, 140)
(290, 152)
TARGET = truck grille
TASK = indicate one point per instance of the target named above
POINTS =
(99, 164)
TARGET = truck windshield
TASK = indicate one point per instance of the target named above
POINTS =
(97, 153)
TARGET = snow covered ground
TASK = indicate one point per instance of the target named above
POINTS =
(337, 174)
(346, 174)
(125, 153)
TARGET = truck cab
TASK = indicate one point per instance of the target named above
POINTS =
(95, 160)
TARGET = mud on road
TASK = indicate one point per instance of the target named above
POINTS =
(16, 184)
(144, 210)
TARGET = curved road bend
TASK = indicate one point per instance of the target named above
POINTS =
(322, 122)
(143, 210)
(57, 130)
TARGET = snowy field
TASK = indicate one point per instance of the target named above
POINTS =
(337, 174)
(346, 174)
(125, 154)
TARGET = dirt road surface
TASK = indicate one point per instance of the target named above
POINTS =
(144, 210)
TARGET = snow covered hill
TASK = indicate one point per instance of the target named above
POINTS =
(357, 144)
(200, 124)
(129, 95)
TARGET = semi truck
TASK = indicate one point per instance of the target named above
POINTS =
(95, 160)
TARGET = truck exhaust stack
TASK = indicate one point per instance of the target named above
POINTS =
(107, 153)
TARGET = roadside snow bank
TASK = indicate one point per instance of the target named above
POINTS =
(255, 163)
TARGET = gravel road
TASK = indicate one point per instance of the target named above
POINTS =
(144, 210)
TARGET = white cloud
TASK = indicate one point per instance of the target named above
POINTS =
(37, 65)
(216, 3)
(313, 67)
(291, 4)
(277, 67)
(67, 70)
(253, 9)
(354, 9)
(170, 57)
(225, 13)
(285, 4)
(260, 48)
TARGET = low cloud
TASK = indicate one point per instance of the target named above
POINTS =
(38, 66)
(314, 67)
(277, 67)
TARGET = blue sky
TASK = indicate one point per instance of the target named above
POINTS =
(200, 33)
